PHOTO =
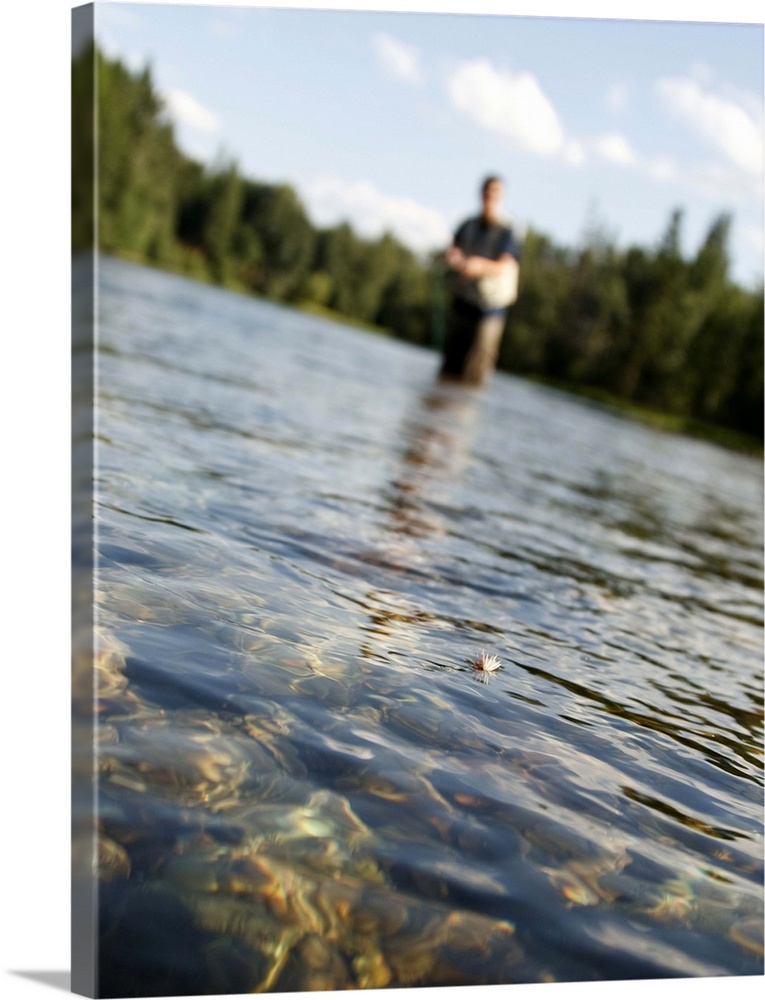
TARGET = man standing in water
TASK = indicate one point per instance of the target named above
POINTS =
(484, 263)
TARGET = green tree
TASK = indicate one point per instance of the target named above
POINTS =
(725, 358)
(406, 302)
(665, 315)
(744, 407)
(593, 316)
(544, 285)
(286, 239)
(337, 251)
(224, 198)
(138, 165)
(83, 149)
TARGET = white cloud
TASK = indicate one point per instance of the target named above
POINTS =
(730, 183)
(186, 109)
(331, 200)
(723, 123)
(400, 60)
(573, 153)
(662, 169)
(615, 148)
(617, 98)
(513, 106)
(711, 179)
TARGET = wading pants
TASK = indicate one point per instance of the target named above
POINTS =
(472, 344)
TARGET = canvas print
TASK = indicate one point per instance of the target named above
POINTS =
(417, 513)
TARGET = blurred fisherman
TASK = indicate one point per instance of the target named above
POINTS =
(483, 260)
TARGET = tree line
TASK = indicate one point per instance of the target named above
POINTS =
(643, 324)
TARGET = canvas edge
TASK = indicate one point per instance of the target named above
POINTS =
(84, 952)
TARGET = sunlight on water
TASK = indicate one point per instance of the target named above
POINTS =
(303, 543)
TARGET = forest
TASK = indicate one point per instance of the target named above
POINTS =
(646, 326)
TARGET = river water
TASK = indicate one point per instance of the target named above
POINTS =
(304, 783)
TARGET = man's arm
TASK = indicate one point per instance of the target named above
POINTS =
(483, 267)
(455, 258)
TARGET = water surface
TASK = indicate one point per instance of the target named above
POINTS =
(303, 540)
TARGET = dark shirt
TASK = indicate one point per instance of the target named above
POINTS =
(479, 238)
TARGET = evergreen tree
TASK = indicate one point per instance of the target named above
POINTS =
(83, 149)
(224, 197)
(138, 165)
(286, 240)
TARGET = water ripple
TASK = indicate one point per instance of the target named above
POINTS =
(303, 541)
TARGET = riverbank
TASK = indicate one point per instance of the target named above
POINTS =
(670, 422)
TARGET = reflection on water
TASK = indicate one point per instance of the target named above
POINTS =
(302, 539)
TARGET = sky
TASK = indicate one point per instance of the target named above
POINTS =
(390, 120)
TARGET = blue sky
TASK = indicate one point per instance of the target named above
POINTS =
(390, 119)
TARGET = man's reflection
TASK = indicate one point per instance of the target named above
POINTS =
(420, 501)
(437, 434)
